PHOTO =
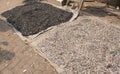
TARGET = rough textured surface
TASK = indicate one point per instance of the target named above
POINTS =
(16, 57)
(34, 17)
(111, 2)
(25, 56)
(87, 45)
(5, 55)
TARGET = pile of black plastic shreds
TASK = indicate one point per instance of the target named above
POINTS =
(35, 17)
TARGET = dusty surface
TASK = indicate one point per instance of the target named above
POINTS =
(8, 4)
(22, 58)
(99, 10)
(16, 57)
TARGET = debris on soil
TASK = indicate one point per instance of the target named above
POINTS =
(4, 43)
(111, 2)
(35, 17)
(24, 70)
(5, 55)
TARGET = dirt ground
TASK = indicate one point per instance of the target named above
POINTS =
(99, 10)
(18, 58)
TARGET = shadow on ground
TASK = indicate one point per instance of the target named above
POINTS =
(4, 26)
(99, 11)
(6, 55)
(4, 43)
